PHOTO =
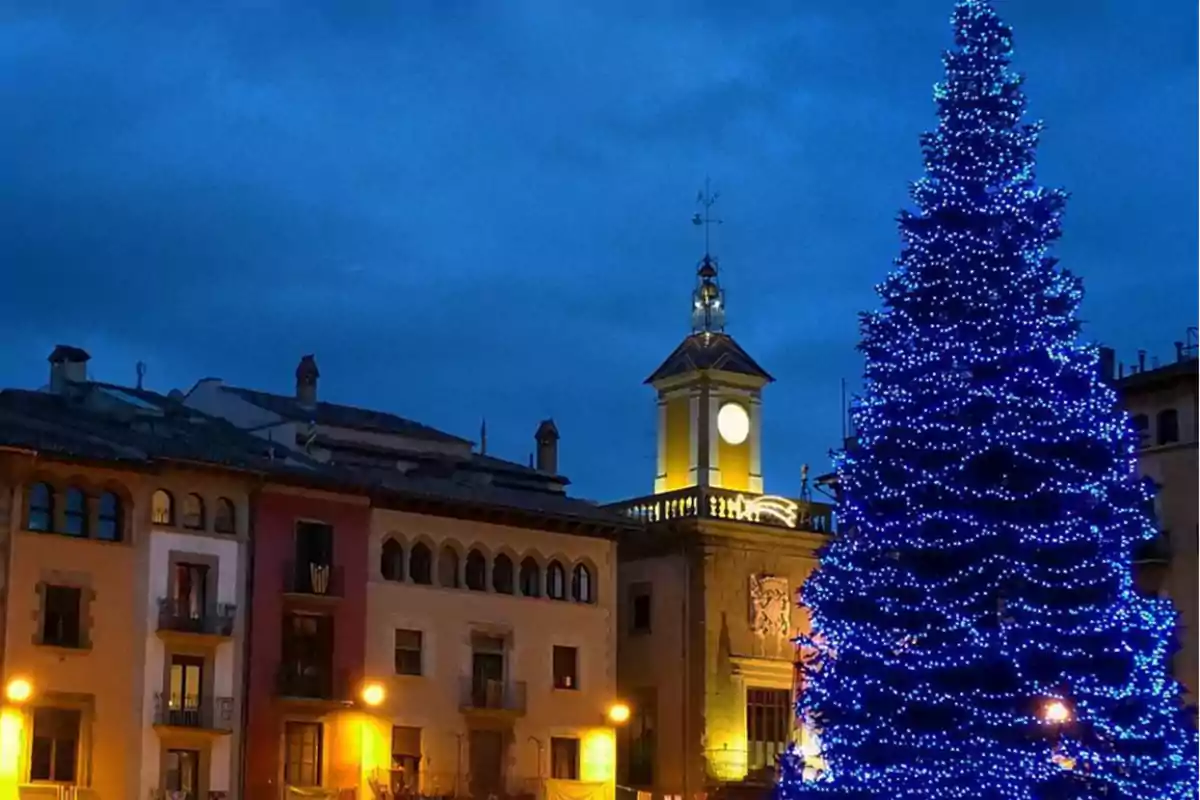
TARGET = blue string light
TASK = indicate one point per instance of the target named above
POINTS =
(977, 632)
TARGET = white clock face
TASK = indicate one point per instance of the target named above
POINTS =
(733, 423)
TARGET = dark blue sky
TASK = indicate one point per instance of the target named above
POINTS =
(482, 208)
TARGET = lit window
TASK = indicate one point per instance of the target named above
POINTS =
(581, 583)
(302, 754)
(162, 508)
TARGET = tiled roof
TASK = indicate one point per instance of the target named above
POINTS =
(336, 415)
(705, 350)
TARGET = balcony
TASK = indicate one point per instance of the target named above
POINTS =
(499, 699)
(308, 579)
(177, 616)
(312, 683)
(212, 715)
(697, 502)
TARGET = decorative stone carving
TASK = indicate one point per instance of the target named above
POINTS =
(770, 612)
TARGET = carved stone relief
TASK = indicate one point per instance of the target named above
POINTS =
(770, 613)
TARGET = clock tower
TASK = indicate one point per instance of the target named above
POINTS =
(709, 402)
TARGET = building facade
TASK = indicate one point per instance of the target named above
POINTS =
(1162, 401)
(708, 588)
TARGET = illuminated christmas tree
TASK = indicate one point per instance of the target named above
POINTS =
(977, 633)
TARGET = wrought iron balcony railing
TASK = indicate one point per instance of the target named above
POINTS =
(182, 615)
(478, 694)
(192, 711)
(310, 681)
(724, 504)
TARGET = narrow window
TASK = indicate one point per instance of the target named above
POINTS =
(391, 560)
(448, 568)
(61, 606)
(531, 578)
(406, 760)
(75, 513)
(193, 512)
(502, 574)
(1141, 427)
(639, 618)
(225, 516)
(476, 571)
(162, 508)
(1168, 426)
(564, 758)
(54, 746)
(566, 664)
(768, 725)
(556, 581)
(111, 522)
(408, 652)
(41, 507)
(420, 564)
(581, 584)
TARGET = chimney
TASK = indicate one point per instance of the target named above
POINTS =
(1141, 360)
(306, 381)
(67, 365)
(1108, 363)
(547, 447)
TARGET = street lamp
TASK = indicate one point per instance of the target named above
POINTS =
(373, 694)
(618, 713)
(1056, 712)
(18, 690)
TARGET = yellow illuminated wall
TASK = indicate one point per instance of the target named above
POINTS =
(599, 756)
(679, 443)
(11, 731)
(734, 461)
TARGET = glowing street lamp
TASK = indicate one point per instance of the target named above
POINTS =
(373, 694)
(18, 690)
(618, 713)
(1056, 712)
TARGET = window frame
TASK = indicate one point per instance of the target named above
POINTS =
(167, 519)
(304, 769)
(571, 746)
(49, 591)
(114, 517)
(225, 516)
(55, 742)
(637, 594)
(75, 513)
(564, 667)
(193, 518)
(406, 650)
(391, 560)
(40, 511)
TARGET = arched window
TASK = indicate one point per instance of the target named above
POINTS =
(581, 583)
(41, 507)
(1168, 426)
(420, 564)
(531, 578)
(193, 512)
(391, 560)
(448, 568)
(162, 508)
(502, 574)
(225, 516)
(75, 512)
(556, 581)
(476, 571)
(110, 520)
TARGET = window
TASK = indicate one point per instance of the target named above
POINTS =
(225, 516)
(391, 560)
(769, 718)
(556, 581)
(60, 616)
(1168, 426)
(1141, 426)
(41, 507)
(406, 759)
(111, 522)
(476, 571)
(193, 512)
(420, 564)
(531, 578)
(191, 590)
(54, 748)
(564, 759)
(75, 514)
(581, 583)
(448, 568)
(408, 652)
(639, 618)
(502, 574)
(183, 773)
(302, 754)
(162, 508)
(566, 660)
(186, 685)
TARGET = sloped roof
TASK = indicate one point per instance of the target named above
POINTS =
(709, 351)
(336, 415)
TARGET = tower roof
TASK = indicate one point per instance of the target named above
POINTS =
(708, 350)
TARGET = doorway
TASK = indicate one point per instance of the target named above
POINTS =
(186, 691)
(182, 774)
(487, 751)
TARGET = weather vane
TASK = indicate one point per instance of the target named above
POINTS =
(707, 199)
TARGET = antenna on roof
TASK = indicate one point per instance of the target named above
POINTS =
(141, 373)
(483, 437)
